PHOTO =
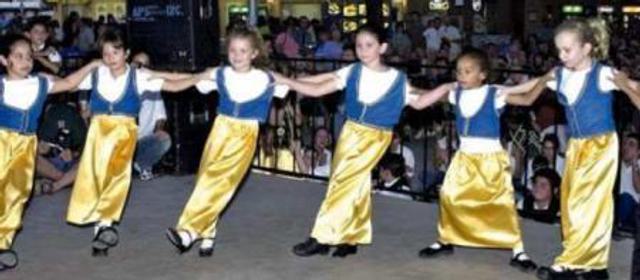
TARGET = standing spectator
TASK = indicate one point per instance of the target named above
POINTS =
(328, 47)
(452, 35)
(629, 180)
(415, 29)
(401, 42)
(153, 139)
(71, 29)
(305, 35)
(285, 43)
(432, 38)
(46, 57)
(86, 37)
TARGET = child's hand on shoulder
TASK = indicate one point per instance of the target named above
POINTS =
(279, 79)
(619, 78)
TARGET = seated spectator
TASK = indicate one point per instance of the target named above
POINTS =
(153, 139)
(275, 151)
(551, 154)
(45, 57)
(62, 134)
(398, 146)
(316, 161)
(629, 181)
(542, 203)
(391, 178)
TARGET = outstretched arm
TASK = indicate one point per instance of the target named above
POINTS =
(525, 94)
(72, 81)
(318, 78)
(312, 89)
(630, 87)
(171, 76)
(427, 98)
(185, 83)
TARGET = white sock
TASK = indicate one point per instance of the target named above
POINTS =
(101, 224)
(517, 251)
(557, 268)
(435, 246)
(185, 236)
(207, 243)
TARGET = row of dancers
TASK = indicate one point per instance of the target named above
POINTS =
(477, 206)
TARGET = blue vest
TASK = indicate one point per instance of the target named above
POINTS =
(255, 109)
(385, 112)
(23, 121)
(485, 123)
(591, 114)
(128, 104)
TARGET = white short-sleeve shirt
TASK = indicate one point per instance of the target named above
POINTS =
(22, 93)
(373, 84)
(572, 82)
(54, 56)
(112, 88)
(242, 87)
(471, 101)
(626, 181)
(151, 111)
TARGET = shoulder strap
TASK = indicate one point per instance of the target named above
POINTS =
(1, 88)
(491, 96)
(94, 79)
(43, 86)
(558, 79)
(133, 82)
(222, 89)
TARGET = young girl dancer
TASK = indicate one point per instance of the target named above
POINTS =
(245, 92)
(104, 173)
(375, 97)
(22, 97)
(584, 86)
(477, 206)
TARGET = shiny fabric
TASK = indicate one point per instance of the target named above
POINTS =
(227, 156)
(104, 175)
(17, 159)
(345, 213)
(586, 201)
(477, 207)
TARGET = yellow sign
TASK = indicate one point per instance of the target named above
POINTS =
(439, 5)
(631, 9)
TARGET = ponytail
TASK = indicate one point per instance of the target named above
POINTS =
(600, 37)
(593, 31)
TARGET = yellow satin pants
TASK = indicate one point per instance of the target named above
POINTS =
(17, 165)
(586, 201)
(477, 207)
(104, 175)
(345, 213)
(227, 156)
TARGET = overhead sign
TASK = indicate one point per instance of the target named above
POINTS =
(438, 5)
(572, 9)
